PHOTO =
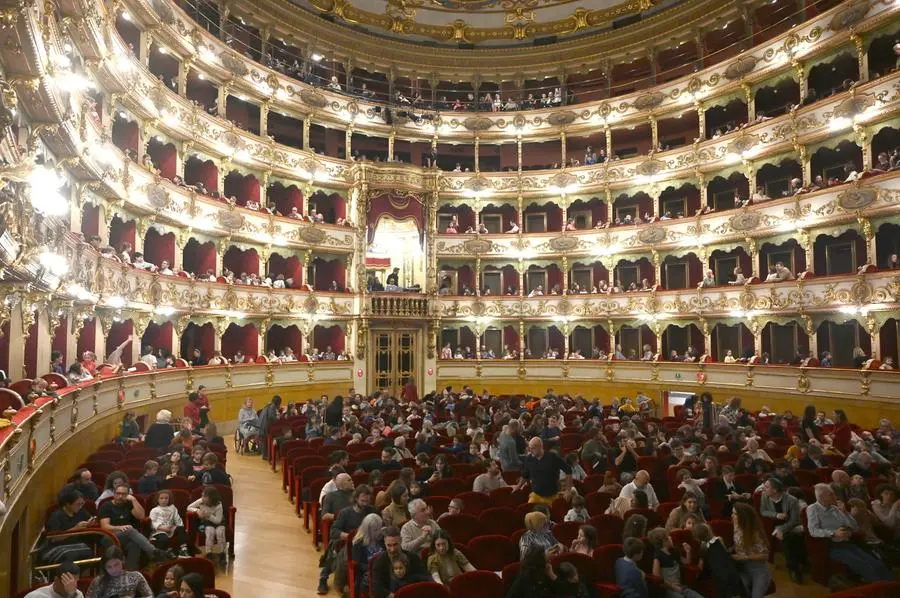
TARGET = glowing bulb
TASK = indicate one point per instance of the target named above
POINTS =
(45, 196)
(54, 262)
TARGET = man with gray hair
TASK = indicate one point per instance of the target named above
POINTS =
(784, 511)
(508, 452)
(826, 520)
(419, 530)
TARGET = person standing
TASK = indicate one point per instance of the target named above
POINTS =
(542, 469)
(784, 509)
(266, 419)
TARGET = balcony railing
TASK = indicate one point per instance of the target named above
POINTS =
(399, 306)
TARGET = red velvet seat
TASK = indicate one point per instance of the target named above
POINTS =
(58, 379)
(585, 564)
(229, 509)
(609, 529)
(474, 502)
(438, 505)
(566, 532)
(491, 553)
(461, 528)
(597, 502)
(476, 584)
(500, 520)
(425, 589)
(201, 566)
(508, 575)
(448, 487)
(604, 558)
(502, 497)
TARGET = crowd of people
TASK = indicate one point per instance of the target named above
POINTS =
(187, 455)
(713, 464)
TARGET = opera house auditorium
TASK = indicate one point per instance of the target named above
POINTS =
(449, 298)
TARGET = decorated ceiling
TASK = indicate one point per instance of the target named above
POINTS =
(480, 22)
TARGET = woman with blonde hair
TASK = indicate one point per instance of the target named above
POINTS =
(367, 542)
(537, 533)
(751, 549)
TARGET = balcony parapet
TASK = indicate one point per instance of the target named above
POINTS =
(853, 294)
(833, 206)
(403, 305)
(858, 386)
(245, 76)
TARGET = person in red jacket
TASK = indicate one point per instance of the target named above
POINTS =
(842, 434)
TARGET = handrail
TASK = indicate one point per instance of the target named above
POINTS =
(312, 78)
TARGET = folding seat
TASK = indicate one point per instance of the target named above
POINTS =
(492, 552)
(204, 567)
(585, 564)
(476, 584)
(566, 532)
(609, 529)
(425, 589)
(474, 502)
(500, 520)
(604, 558)
(228, 508)
(438, 504)
(597, 502)
(461, 528)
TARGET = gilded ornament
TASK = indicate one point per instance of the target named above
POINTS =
(157, 196)
(744, 221)
(563, 243)
(652, 235)
(311, 234)
(850, 16)
(230, 220)
(803, 381)
(233, 64)
(648, 101)
(477, 246)
(650, 167)
(313, 98)
(477, 123)
(311, 305)
(741, 67)
(562, 118)
(855, 105)
(856, 199)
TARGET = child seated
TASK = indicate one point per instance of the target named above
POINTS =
(210, 510)
(718, 563)
(401, 575)
(666, 563)
(211, 473)
(149, 482)
(166, 523)
(568, 582)
(578, 512)
(629, 576)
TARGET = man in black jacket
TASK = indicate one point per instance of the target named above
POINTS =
(381, 570)
(349, 518)
(334, 412)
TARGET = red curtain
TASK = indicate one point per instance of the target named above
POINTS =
(647, 271)
(465, 276)
(325, 336)
(397, 206)
(277, 338)
(121, 232)
(554, 277)
(467, 338)
(4, 350)
(285, 198)
(59, 339)
(889, 340)
(601, 339)
(696, 339)
(118, 332)
(327, 271)
(557, 340)
(290, 267)
(511, 278)
(648, 338)
(241, 261)
(159, 247)
(695, 270)
(87, 339)
(199, 258)
(30, 354)
(198, 337)
(125, 135)
(244, 338)
(511, 338)
(157, 335)
(90, 220)
(167, 161)
(195, 170)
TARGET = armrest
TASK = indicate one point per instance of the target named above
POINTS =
(86, 532)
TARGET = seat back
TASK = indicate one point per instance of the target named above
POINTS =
(425, 589)
(500, 520)
(10, 399)
(477, 584)
(566, 532)
(58, 379)
(492, 553)
(604, 558)
(461, 528)
(201, 566)
(585, 565)
(474, 502)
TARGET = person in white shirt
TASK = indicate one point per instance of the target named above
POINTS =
(641, 482)
(149, 358)
(513, 227)
(289, 354)
(537, 291)
(140, 263)
(279, 282)
(729, 357)
(491, 480)
(295, 214)
(115, 358)
(739, 277)
(165, 269)
(65, 583)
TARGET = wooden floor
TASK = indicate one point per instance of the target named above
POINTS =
(274, 556)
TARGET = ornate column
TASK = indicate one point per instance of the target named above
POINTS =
(802, 83)
(704, 193)
(874, 331)
(141, 226)
(221, 247)
(609, 262)
(306, 125)
(519, 154)
(565, 274)
(139, 322)
(179, 325)
(184, 68)
(809, 326)
(477, 153)
(264, 118)
(750, 173)
(707, 336)
(264, 188)
(805, 161)
(263, 256)
(522, 276)
(657, 266)
(181, 239)
(806, 240)
(754, 256)
(431, 239)
(654, 67)
(348, 140)
(521, 214)
(611, 329)
(865, 142)
(224, 12)
(521, 339)
(479, 330)
(145, 41)
(220, 325)
(607, 132)
(562, 145)
(751, 101)
(478, 275)
(654, 132)
(262, 330)
(869, 235)
(264, 34)
(756, 328)
(222, 101)
(565, 332)
(861, 56)
(701, 118)
(391, 139)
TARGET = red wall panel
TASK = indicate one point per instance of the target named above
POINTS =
(325, 336)
(242, 338)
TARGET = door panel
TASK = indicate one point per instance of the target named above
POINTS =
(394, 359)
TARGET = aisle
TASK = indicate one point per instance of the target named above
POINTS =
(274, 556)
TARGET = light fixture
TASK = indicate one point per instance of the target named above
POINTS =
(54, 263)
(45, 193)
(316, 57)
(163, 50)
(163, 310)
(79, 292)
(126, 15)
(201, 76)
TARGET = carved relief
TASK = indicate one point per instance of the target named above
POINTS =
(741, 67)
